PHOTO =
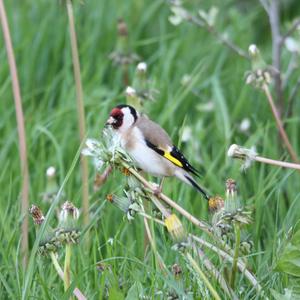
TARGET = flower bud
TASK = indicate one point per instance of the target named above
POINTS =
(232, 202)
(68, 231)
(48, 242)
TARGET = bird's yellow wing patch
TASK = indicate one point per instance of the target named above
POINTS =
(172, 159)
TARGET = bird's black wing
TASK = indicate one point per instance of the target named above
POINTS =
(175, 157)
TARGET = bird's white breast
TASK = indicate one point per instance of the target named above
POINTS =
(146, 158)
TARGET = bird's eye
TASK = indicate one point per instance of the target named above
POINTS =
(118, 120)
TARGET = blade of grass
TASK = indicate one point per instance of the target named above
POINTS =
(30, 269)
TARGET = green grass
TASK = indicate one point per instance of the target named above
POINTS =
(41, 42)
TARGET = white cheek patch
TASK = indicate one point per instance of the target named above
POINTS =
(128, 119)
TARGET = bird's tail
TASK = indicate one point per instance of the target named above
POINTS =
(187, 178)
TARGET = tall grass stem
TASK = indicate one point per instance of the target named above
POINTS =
(21, 133)
(237, 232)
(80, 109)
(67, 267)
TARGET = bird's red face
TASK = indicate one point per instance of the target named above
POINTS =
(116, 118)
(122, 117)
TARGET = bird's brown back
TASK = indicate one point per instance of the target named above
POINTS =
(153, 133)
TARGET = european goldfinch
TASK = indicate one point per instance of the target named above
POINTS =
(150, 146)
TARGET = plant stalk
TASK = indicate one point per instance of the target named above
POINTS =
(21, 133)
(67, 267)
(279, 124)
(241, 265)
(215, 273)
(80, 110)
(202, 276)
(169, 201)
(77, 293)
(237, 231)
(224, 255)
(278, 163)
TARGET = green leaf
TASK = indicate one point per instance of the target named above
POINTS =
(135, 292)
(289, 260)
(115, 294)
(288, 295)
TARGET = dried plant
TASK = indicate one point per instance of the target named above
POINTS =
(21, 132)
(80, 110)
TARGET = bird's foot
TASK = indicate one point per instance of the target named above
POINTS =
(157, 191)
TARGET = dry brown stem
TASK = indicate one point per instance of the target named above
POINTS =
(21, 132)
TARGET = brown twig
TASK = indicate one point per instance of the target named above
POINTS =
(191, 218)
(80, 108)
(278, 163)
(249, 155)
(274, 19)
(241, 265)
(279, 124)
(21, 132)
(101, 178)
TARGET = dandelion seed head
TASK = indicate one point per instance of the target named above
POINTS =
(232, 150)
(51, 172)
(130, 91)
(245, 125)
(253, 50)
(142, 67)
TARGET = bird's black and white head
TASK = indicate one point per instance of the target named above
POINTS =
(122, 117)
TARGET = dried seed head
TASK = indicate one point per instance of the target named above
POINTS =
(109, 197)
(122, 28)
(253, 50)
(130, 92)
(142, 67)
(176, 270)
(215, 203)
(122, 203)
(101, 267)
(248, 155)
(69, 211)
(125, 171)
(37, 215)
(51, 172)
(245, 125)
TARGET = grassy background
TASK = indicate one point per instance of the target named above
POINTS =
(40, 37)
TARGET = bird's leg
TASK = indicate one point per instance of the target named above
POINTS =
(158, 189)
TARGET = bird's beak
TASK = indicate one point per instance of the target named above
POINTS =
(110, 121)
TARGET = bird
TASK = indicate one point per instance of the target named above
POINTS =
(150, 146)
